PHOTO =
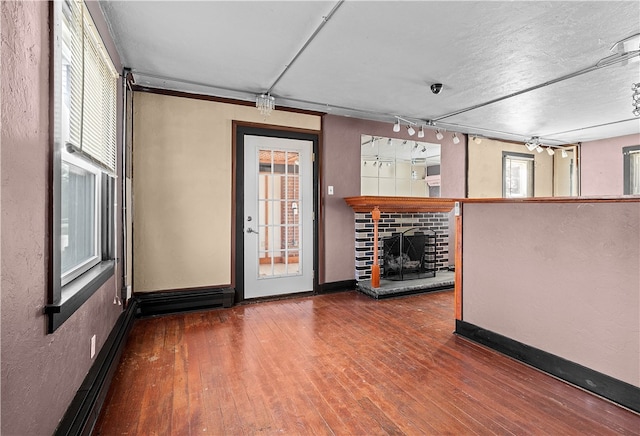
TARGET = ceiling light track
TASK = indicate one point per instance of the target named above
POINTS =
(603, 63)
(325, 20)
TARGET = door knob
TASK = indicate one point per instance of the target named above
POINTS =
(250, 230)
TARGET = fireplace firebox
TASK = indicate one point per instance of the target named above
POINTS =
(409, 255)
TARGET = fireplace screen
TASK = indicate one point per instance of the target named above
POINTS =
(409, 256)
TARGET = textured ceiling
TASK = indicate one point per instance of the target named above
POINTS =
(510, 70)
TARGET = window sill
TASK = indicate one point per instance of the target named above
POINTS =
(75, 293)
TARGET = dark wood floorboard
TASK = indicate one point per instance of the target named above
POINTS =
(337, 364)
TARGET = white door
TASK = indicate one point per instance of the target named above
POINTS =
(278, 216)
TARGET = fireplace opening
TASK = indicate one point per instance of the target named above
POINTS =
(409, 256)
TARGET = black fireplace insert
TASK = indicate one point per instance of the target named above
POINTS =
(409, 256)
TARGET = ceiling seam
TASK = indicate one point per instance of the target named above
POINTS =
(325, 20)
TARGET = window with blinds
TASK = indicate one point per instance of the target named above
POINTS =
(89, 82)
(84, 160)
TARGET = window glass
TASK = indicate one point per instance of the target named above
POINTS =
(632, 170)
(79, 220)
(517, 175)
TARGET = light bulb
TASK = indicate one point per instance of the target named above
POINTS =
(439, 134)
(456, 140)
(396, 126)
(564, 154)
(550, 151)
(539, 149)
(421, 132)
(410, 130)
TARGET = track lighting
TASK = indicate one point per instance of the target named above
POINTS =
(550, 151)
(396, 126)
(456, 140)
(477, 139)
(533, 143)
(439, 134)
(410, 130)
(539, 149)
(421, 132)
(564, 154)
(636, 99)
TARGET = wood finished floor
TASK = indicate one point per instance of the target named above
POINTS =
(342, 364)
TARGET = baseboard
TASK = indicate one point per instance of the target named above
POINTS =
(344, 285)
(83, 412)
(162, 303)
(606, 386)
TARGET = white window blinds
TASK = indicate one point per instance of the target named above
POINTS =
(89, 88)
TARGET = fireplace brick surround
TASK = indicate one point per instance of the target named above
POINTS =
(390, 223)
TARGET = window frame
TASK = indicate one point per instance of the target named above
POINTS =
(79, 269)
(626, 163)
(522, 156)
(65, 298)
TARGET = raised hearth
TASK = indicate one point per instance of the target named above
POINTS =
(443, 280)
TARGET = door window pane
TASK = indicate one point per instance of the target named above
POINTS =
(279, 203)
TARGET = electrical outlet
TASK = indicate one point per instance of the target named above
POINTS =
(93, 346)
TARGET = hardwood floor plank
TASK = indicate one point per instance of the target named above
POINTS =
(337, 364)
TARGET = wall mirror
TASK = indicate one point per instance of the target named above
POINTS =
(398, 167)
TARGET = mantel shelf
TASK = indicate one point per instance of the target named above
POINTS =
(364, 204)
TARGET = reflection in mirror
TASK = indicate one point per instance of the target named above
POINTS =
(397, 167)
(565, 172)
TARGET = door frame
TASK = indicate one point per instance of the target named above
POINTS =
(240, 129)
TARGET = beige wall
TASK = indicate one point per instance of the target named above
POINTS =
(182, 187)
(561, 277)
(485, 169)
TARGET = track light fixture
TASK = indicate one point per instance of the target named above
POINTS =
(539, 149)
(564, 154)
(410, 129)
(456, 140)
(439, 135)
(636, 99)
(477, 139)
(533, 143)
(421, 132)
(550, 151)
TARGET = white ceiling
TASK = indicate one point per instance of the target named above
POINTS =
(510, 70)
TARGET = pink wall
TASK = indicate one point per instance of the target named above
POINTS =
(341, 169)
(561, 277)
(601, 165)
(40, 373)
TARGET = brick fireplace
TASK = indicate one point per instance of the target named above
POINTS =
(398, 214)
